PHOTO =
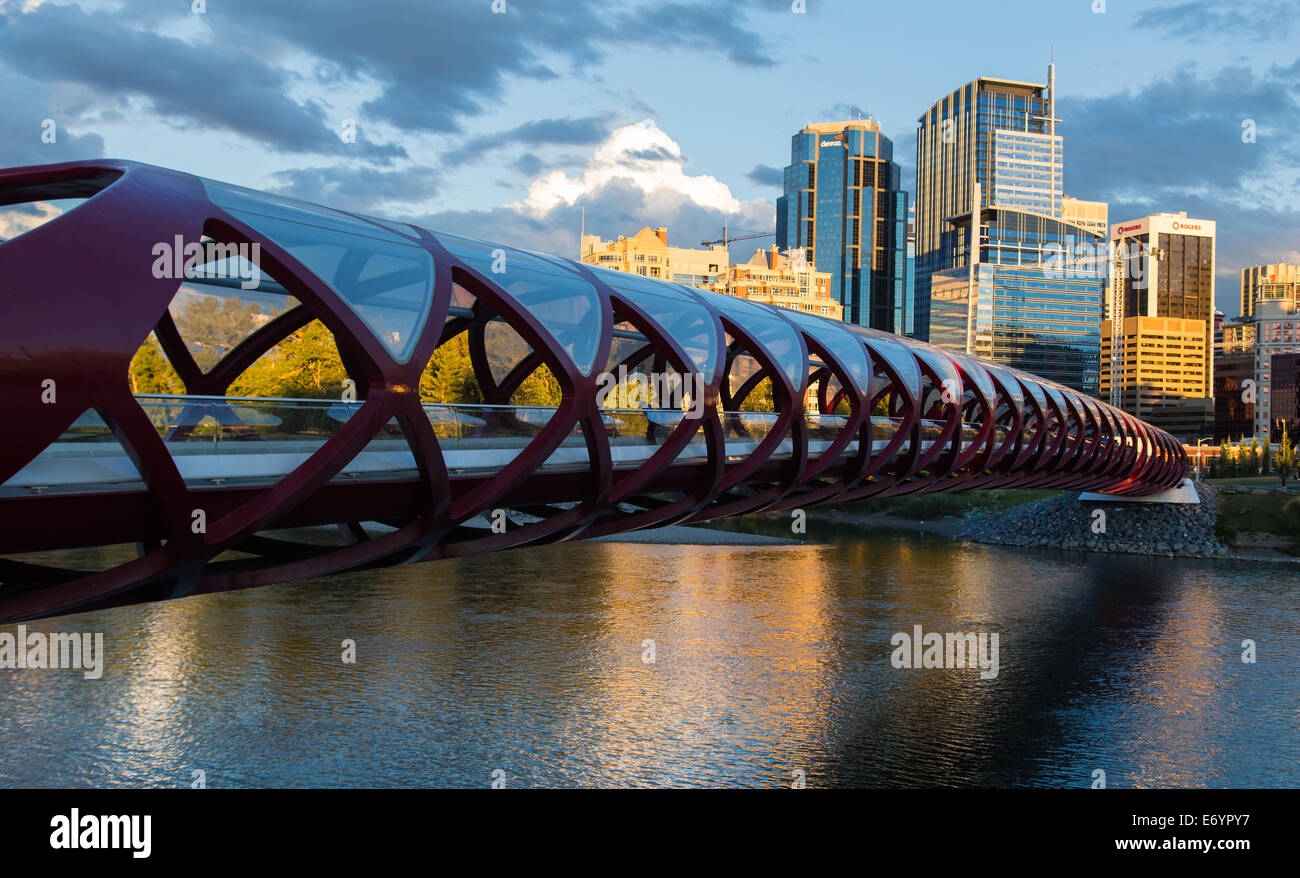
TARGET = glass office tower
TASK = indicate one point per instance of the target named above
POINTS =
(1031, 293)
(997, 134)
(843, 206)
(1031, 297)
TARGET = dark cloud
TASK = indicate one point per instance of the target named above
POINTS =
(584, 131)
(221, 86)
(1206, 20)
(654, 154)
(434, 63)
(358, 189)
(766, 175)
(528, 165)
(1176, 144)
(27, 106)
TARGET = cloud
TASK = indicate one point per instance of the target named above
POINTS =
(27, 105)
(1213, 20)
(431, 65)
(635, 178)
(361, 190)
(18, 218)
(1176, 144)
(766, 175)
(584, 131)
(641, 154)
(222, 86)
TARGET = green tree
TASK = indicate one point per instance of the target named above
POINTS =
(449, 377)
(1266, 455)
(306, 365)
(1286, 456)
(1252, 457)
(213, 325)
(152, 372)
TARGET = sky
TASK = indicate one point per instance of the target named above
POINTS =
(510, 119)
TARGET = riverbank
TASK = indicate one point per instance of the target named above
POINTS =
(693, 535)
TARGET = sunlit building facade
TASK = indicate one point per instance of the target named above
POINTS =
(990, 143)
(1164, 268)
(648, 254)
(1016, 300)
(844, 207)
(773, 278)
(1273, 281)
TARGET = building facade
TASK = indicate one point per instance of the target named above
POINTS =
(1091, 215)
(773, 278)
(1234, 407)
(990, 143)
(1015, 300)
(1277, 338)
(1162, 369)
(1274, 281)
(648, 254)
(989, 167)
(1164, 268)
(844, 207)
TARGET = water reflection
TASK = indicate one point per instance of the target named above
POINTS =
(768, 660)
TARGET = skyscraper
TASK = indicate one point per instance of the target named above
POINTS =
(1001, 272)
(1164, 272)
(843, 206)
(997, 133)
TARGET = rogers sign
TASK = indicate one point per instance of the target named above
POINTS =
(1190, 227)
(1122, 230)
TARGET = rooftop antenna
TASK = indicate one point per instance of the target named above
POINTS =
(582, 231)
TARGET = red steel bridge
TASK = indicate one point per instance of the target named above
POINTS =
(210, 492)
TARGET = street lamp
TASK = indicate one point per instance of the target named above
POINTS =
(1198, 456)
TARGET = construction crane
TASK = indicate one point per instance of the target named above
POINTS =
(726, 239)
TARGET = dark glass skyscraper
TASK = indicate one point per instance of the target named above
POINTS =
(843, 206)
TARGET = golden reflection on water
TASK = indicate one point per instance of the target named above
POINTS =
(765, 648)
(768, 660)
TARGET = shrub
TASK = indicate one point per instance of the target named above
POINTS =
(1291, 515)
(1224, 532)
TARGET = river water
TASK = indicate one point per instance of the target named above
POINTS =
(771, 666)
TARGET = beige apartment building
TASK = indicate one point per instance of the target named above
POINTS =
(648, 254)
(1092, 215)
(770, 277)
(1279, 280)
(773, 278)
(1162, 371)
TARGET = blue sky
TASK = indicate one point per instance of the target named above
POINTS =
(505, 125)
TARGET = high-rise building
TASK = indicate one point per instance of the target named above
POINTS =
(1275, 281)
(647, 253)
(1017, 299)
(1030, 293)
(1277, 340)
(844, 207)
(1164, 267)
(995, 134)
(1162, 369)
